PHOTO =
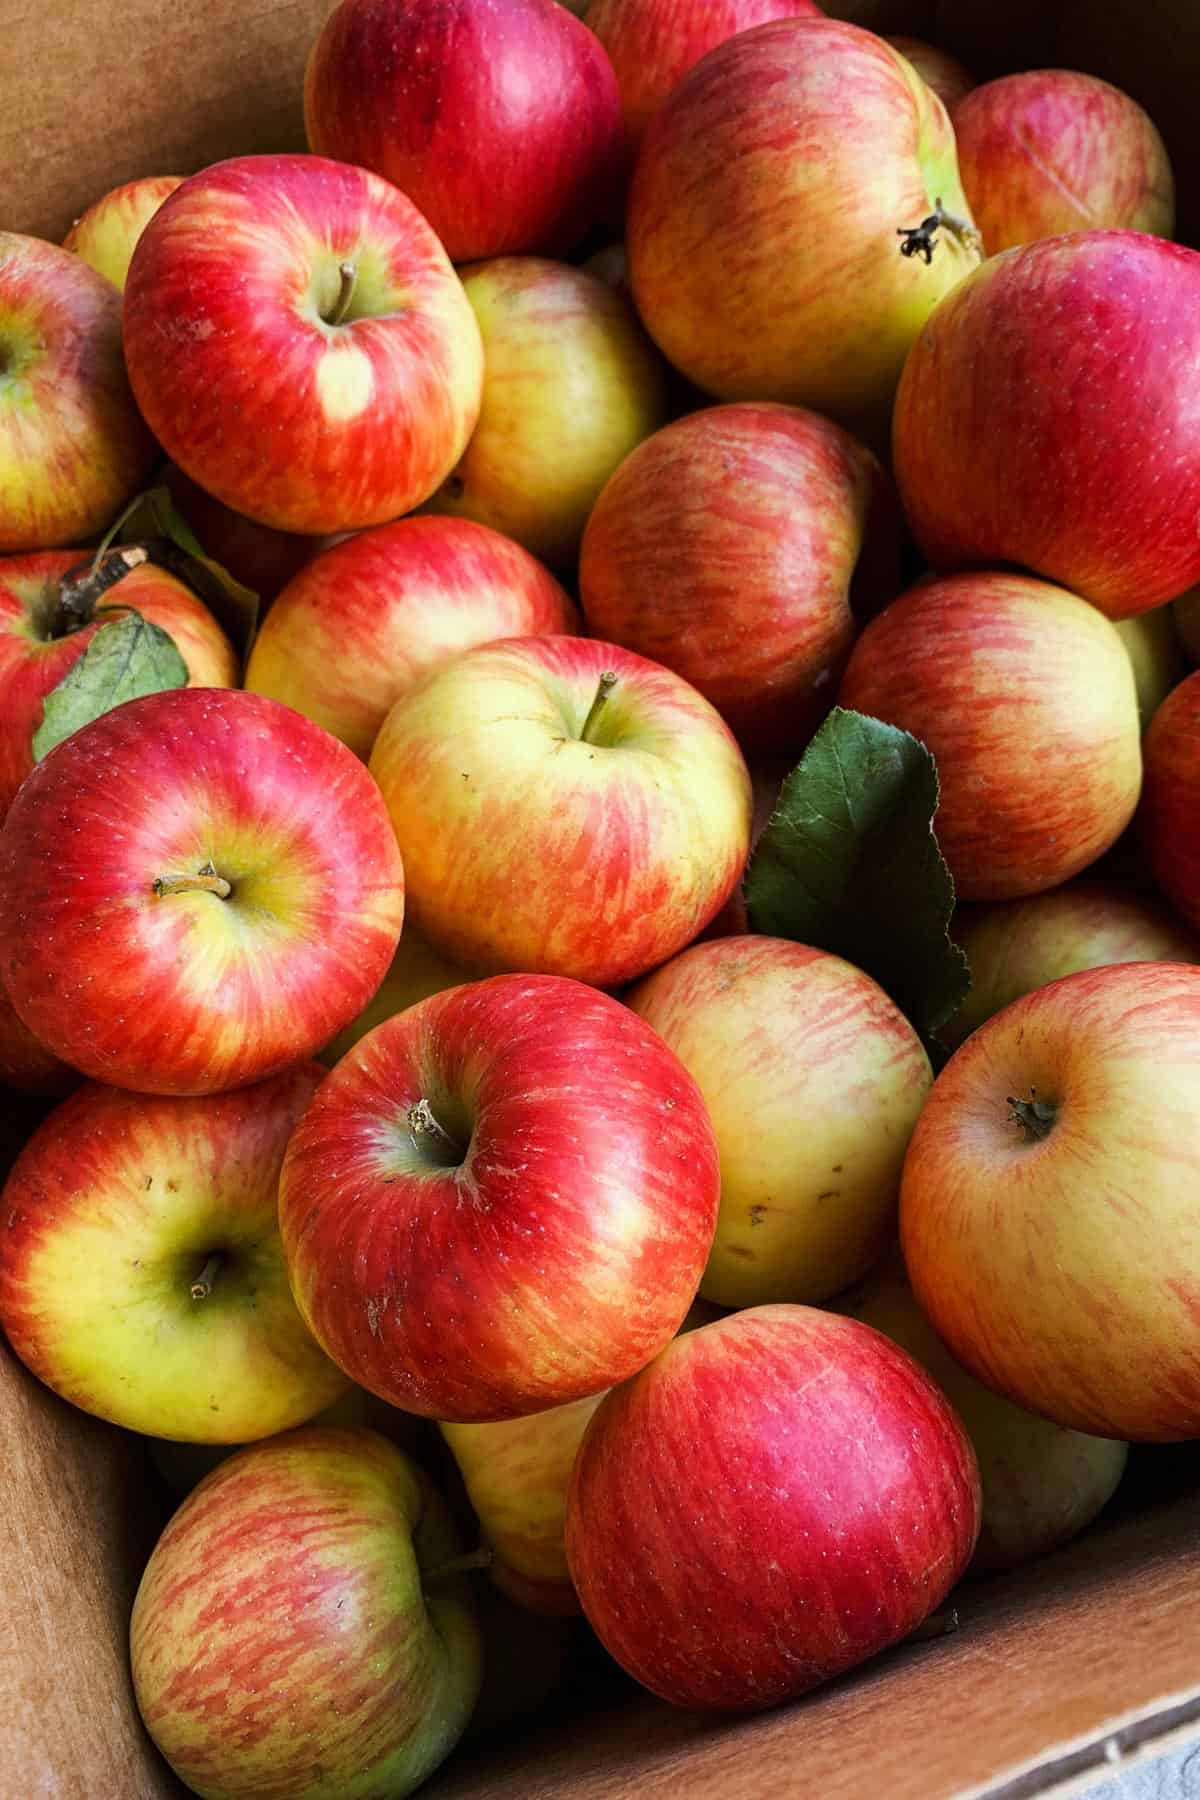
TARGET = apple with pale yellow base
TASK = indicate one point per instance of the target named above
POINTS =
(106, 235)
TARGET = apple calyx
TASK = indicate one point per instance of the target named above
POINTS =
(202, 1287)
(921, 240)
(341, 306)
(1035, 1117)
(204, 881)
(604, 688)
(458, 1565)
(81, 589)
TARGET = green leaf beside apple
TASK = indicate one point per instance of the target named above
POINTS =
(128, 657)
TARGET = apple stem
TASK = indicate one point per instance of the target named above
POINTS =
(1035, 1117)
(921, 240)
(607, 683)
(938, 1624)
(81, 588)
(204, 881)
(349, 275)
(458, 1565)
(421, 1119)
(202, 1287)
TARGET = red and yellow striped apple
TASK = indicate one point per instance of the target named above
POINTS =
(1167, 820)
(25, 1062)
(106, 235)
(196, 889)
(415, 972)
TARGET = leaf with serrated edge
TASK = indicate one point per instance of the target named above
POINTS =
(127, 657)
(849, 863)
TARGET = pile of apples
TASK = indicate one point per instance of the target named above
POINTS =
(577, 485)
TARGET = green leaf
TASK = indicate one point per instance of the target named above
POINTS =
(153, 519)
(849, 863)
(126, 658)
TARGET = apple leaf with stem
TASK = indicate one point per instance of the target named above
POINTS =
(153, 519)
(849, 863)
(128, 657)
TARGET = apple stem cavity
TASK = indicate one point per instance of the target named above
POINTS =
(1035, 1117)
(204, 881)
(80, 589)
(459, 1565)
(341, 306)
(921, 240)
(202, 1287)
(605, 686)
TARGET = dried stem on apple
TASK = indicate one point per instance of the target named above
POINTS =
(1035, 1117)
(349, 275)
(921, 240)
(421, 1120)
(202, 1287)
(607, 683)
(204, 881)
(81, 588)
(458, 1565)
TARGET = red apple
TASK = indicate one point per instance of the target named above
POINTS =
(1049, 415)
(563, 805)
(950, 81)
(106, 234)
(777, 1497)
(1049, 1212)
(571, 385)
(310, 302)
(1026, 697)
(45, 628)
(25, 1062)
(729, 547)
(653, 43)
(472, 1232)
(141, 1274)
(769, 211)
(196, 889)
(500, 119)
(73, 447)
(299, 1628)
(1167, 821)
(357, 627)
(1021, 945)
(775, 1032)
(254, 554)
(1051, 150)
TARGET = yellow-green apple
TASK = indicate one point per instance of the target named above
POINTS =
(47, 620)
(795, 215)
(1019, 945)
(1048, 1209)
(1042, 1482)
(774, 1033)
(571, 385)
(809, 1436)
(1047, 151)
(607, 774)
(25, 1062)
(1153, 646)
(197, 889)
(256, 555)
(472, 1232)
(301, 1627)
(1026, 698)
(950, 81)
(1049, 415)
(357, 627)
(312, 302)
(1167, 819)
(73, 447)
(500, 119)
(653, 43)
(141, 1272)
(105, 235)
(729, 546)
(416, 971)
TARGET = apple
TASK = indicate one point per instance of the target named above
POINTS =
(571, 385)
(47, 621)
(141, 1273)
(1049, 415)
(300, 1627)
(500, 119)
(562, 805)
(1167, 822)
(105, 235)
(1020, 945)
(1153, 646)
(1048, 1208)
(729, 546)
(197, 889)
(947, 77)
(473, 1233)
(777, 1497)
(653, 43)
(781, 226)
(416, 971)
(356, 627)
(25, 1063)
(775, 1033)
(1025, 696)
(1048, 151)
(766, 784)
(310, 302)
(259, 557)
(73, 447)
(1042, 1483)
